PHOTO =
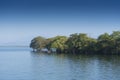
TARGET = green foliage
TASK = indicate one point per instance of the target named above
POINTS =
(80, 43)
(37, 43)
(48, 43)
(109, 44)
(59, 43)
(115, 36)
(104, 43)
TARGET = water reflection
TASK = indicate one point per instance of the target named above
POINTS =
(25, 65)
(78, 67)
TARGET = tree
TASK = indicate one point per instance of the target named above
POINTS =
(115, 36)
(58, 42)
(49, 43)
(37, 43)
(91, 48)
(104, 44)
(78, 43)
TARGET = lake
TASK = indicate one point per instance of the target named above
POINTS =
(19, 63)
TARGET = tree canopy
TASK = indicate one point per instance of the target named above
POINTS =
(80, 43)
(37, 43)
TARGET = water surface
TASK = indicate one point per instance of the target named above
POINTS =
(19, 63)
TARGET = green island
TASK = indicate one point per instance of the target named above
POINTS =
(79, 43)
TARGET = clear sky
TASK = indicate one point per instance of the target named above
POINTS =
(22, 20)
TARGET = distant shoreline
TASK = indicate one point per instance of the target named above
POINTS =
(14, 46)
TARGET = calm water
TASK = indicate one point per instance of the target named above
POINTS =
(18, 63)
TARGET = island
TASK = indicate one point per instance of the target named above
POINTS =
(78, 43)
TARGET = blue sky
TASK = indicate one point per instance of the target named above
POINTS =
(22, 20)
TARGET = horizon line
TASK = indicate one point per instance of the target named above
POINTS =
(14, 46)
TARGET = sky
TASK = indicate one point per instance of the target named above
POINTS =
(22, 20)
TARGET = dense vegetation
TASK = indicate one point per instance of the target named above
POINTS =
(80, 43)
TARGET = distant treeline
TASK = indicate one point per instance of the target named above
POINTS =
(80, 43)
